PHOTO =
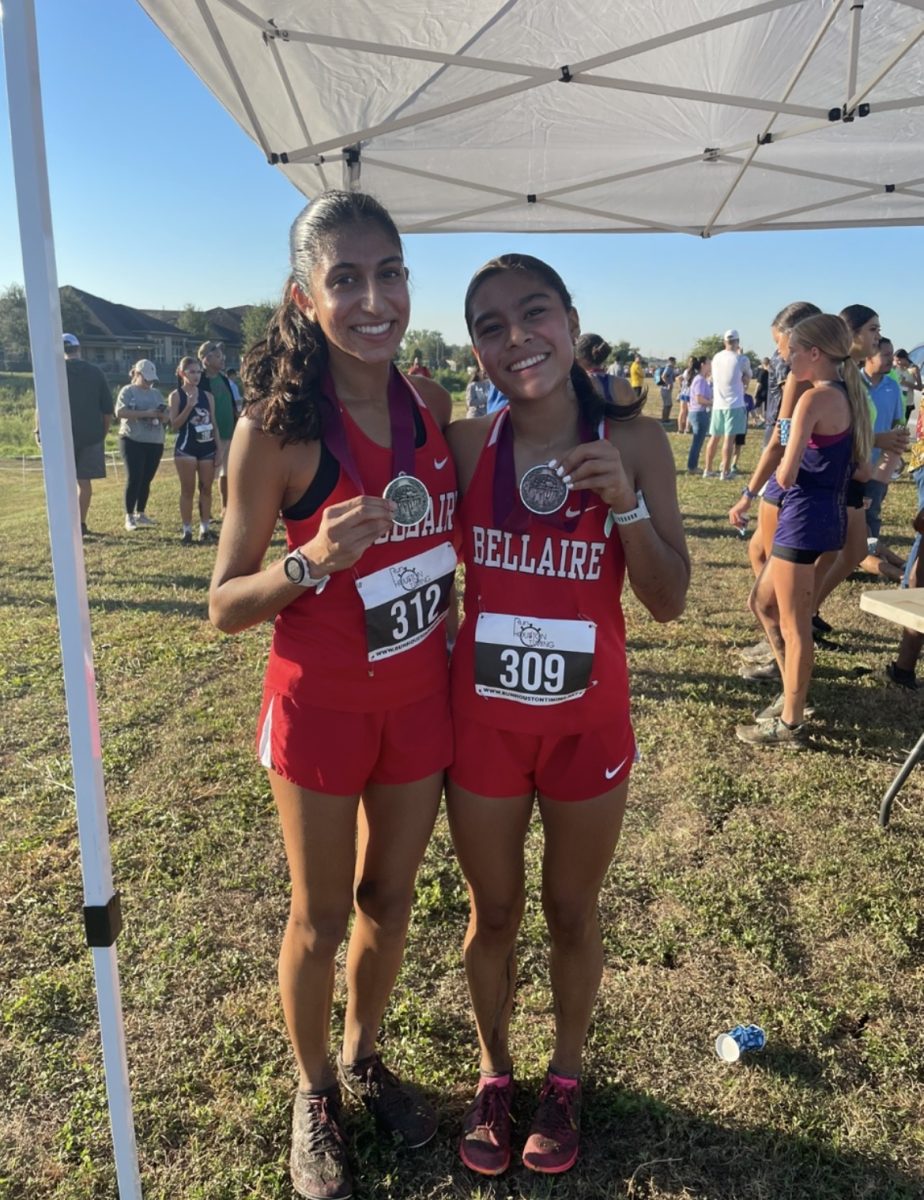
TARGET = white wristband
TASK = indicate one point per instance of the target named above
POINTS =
(639, 513)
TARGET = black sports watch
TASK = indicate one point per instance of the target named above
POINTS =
(298, 570)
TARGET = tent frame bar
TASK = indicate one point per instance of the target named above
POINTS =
(30, 171)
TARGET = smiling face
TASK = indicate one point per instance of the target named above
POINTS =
(522, 334)
(358, 294)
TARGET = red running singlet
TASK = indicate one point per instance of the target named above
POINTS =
(542, 646)
(374, 638)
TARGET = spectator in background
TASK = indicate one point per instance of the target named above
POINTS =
(591, 353)
(760, 395)
(218, 385)
(236, 393)
(889, 403)
(687, 375)
(637, 376)
(731, 373)
(476, 395)
(141, 411)
(700, 409)
(496, 399)
(909, 379)
(418, 368)
(192, 415)
(666, 385)
(90, 402)
(902, 670)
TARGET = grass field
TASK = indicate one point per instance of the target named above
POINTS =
(749, 886)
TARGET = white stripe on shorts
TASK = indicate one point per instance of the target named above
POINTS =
(266, 735)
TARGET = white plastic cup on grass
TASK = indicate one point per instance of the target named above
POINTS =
(741, 1040)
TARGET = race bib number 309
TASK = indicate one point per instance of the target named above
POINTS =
(533, 660)
(405, 602)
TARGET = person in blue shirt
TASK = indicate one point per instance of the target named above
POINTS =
(886, 395)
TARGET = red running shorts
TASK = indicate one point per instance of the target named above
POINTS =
(338, 753)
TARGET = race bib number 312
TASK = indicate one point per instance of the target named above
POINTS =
(405, 602)
(533, 660)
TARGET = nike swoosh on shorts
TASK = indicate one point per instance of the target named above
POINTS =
(440, 463)
(615, 771)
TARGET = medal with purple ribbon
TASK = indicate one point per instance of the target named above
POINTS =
(405, 490)
(541, 490)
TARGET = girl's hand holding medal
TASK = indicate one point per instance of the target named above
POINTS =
(347, 530)
(597, 467)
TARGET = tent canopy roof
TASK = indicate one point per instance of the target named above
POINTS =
(625, 116)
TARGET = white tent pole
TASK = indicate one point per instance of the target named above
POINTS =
(853, 54)
(802, 208)
(797, 75)
(222, 50)
(296, 107)
(20, 46)
(907, 45)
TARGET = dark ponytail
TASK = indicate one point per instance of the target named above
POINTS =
(591, 348)
(282, 372)
(593, 407)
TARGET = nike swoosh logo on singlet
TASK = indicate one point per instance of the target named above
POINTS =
(439, 463)
(615, 771)
(572, 512)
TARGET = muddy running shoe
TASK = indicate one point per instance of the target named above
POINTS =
(318, 1165)
(900, 676)
(552, 1145)
(760, 652)
(143, 520)
(486, 1127)
(776, 710)
(767, 672)
(398, 1108)
(774, 732)
(130, 525)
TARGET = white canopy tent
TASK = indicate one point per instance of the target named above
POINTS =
(696, 116)
(626, 116)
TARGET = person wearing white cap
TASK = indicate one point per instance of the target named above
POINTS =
(90, 402)
(141, 410)
(731, 373)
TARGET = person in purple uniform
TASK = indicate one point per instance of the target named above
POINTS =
(830, 435)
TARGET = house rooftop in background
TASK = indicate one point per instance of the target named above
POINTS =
(224, 324)
(113, 336)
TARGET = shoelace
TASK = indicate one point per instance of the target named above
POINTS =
(386, 1088)
(555, 1105)
(323, 1133)
(493, 1107)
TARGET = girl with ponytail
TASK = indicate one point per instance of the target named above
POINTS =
(560, 499)
(355, 729)
(830, 434)
(863, 324)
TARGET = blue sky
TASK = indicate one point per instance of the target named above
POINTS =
(159, 199)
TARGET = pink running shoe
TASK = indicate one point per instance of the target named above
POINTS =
(552, 1145)
(485, 1143)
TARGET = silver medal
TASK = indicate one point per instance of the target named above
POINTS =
(542, 490)
(411, 497)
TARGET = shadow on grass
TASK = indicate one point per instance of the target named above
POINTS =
(634, 1145)
(176, 608)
